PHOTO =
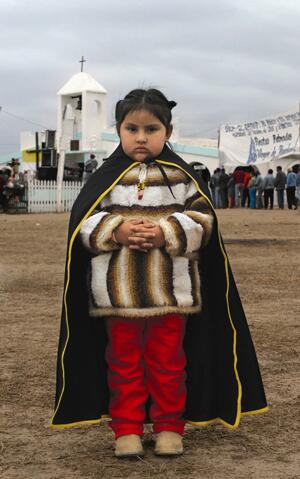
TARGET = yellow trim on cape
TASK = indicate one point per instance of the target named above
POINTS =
(239, 398)
(68, 279)
(224, 423)
(257, 411)
(87, 422)
(78, 423)
(106, 417)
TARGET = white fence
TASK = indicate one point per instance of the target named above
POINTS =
(42, 195)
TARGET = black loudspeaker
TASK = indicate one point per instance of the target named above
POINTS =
(50, 138)
(48, 158)
(47, 173)
(74, 145)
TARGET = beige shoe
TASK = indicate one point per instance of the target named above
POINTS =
(168, 443)
(129, 445)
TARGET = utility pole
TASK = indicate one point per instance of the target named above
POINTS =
(60, 173)
(299, 129)
(220, 156)
(37, 154)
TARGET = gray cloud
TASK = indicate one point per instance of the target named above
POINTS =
(222, 61)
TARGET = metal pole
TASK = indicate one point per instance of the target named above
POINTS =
(221, 162)
(299, 129)
(37, 154)
(59, 179)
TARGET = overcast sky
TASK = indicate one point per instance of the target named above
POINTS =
(223, 61)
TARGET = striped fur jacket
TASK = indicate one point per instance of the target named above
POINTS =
(130, 283)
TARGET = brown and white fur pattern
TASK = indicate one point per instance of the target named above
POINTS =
(125, 282)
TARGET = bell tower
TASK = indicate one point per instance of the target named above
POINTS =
(82, 107)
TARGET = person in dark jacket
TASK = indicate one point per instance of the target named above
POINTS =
(280, 182)
(223, 181)
(291, 189)
(215, 188)
(3, 201)
(231, 191)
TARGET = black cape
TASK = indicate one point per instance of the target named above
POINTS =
(223, 378)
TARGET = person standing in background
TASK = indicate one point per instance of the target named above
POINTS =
(212, 186)
(3, 199)
(259, 189)
(215, 188)
(268, 187)
(89, 167)
(291, 189)
(252, 190)
(239, 180)
(245, 193)
(231, 191)
(280, 182)
(298, 186)
(223, 188)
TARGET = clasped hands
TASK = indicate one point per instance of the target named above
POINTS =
(140, 234)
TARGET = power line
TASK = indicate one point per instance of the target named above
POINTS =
(23, 119)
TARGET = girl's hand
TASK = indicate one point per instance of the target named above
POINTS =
(140, 234)
(135, 234)
(146, 235)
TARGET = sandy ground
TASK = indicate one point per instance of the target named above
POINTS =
(263, 247)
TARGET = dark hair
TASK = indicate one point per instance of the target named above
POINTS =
(279, 168)
(151, 100)
(270, 171)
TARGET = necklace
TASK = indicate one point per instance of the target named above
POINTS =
(142, 180)
(143, 175)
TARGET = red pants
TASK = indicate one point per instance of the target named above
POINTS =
(145, 357)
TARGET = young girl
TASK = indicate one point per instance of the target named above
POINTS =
(152, 324)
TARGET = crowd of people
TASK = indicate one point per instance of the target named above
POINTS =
(246, 187)
(12, 183)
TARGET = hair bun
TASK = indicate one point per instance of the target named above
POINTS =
(172, 104)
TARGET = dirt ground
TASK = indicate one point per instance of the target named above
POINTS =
(263, 247)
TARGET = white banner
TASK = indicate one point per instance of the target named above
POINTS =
(259, 141)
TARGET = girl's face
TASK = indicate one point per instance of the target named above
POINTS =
(143, 135)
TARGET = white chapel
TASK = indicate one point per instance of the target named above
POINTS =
(82, 129)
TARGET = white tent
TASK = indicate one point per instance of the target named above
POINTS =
(264, 143)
